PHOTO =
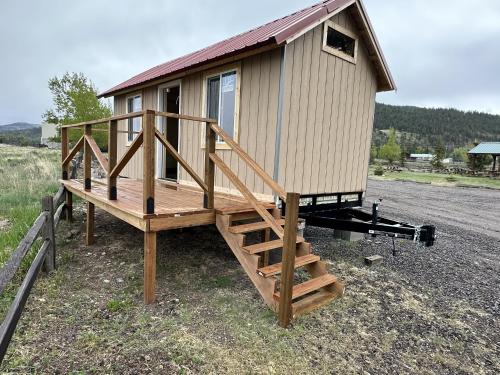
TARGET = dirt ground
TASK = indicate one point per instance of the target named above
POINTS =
(427, 311)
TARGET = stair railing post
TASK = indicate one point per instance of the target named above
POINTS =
(288, 258)
(208, 198)
(112, 157)
(64, 152)
(48, 234)
(87, 159)
(148, 191)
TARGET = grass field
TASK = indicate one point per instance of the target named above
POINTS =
(440, 179)
(26, 175)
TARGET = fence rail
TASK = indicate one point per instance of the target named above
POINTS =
(42, 228)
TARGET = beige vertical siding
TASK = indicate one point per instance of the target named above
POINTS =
(327, 118)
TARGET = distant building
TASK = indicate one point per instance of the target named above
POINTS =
(421, 157)
(48, 131)
(447, 161)
(487, 148)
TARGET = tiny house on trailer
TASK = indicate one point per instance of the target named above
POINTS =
(278, 113)
(297, 94)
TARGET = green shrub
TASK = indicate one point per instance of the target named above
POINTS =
(379, 170)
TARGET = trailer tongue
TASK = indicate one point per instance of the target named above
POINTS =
(334, 211)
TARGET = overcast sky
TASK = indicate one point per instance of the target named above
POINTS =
(441, 53)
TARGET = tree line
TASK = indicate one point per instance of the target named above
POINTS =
(419, 128)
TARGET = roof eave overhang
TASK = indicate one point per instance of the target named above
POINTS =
(220, 60)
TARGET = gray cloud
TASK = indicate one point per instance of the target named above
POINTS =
(446, 54)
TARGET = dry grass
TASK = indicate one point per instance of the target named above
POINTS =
(89, 317)
(26, 175)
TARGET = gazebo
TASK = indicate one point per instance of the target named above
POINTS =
(487, 148)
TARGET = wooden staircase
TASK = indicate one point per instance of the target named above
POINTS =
(321, 287)
(283, 285)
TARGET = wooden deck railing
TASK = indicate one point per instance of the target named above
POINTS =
(146, 137)
(43, 228)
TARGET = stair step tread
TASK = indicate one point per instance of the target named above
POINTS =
(267, 246)
(312, 302)
(310, 286)
(242, 209)
(275, 269)
(253, 227)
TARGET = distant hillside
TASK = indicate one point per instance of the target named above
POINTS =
(25, 137)
(421, 127)
(18, 126)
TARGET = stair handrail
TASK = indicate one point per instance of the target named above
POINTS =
(259, 208)
(250, 162)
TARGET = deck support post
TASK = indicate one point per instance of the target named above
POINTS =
(288, 258)
(89, 238)
(64, 152)
(208, 198)
(49, 235)
(87, 159)
(149, 267)
(148, 192)
(112, 157)
(69, 206)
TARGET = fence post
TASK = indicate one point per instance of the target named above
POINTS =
(48, 234)
(87, 159)
(288, 258)
(112, 155)
(208, 198)
(148, 191)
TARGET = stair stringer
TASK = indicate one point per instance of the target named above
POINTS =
(250, 263)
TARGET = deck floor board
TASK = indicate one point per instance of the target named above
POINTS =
(171, 200)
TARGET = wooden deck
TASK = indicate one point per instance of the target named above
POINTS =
(176, 206)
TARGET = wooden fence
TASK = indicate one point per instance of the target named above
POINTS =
(43, 228)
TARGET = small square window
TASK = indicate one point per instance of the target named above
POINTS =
(340, 42)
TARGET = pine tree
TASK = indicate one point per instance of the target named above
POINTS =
(439, 155)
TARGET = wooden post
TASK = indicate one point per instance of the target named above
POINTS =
(288, 258)
(112, 157)
(148, 191)
(89, 238)
(208, 199)
(87, 159)
(48, 234)
(64, 152)
(149, 267)
(69, 206)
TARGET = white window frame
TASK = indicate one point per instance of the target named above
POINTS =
(129, 138)
(333, 51)
(219, 72)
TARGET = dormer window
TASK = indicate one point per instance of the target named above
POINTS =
(340, 42)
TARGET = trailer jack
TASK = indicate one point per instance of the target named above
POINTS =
(348, 216)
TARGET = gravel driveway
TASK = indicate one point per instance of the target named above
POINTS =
(465, 262)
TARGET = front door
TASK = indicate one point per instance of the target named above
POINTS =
(169, 102)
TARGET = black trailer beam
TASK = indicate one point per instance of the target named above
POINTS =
(336, 211)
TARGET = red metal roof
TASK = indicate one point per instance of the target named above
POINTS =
(275, 32)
